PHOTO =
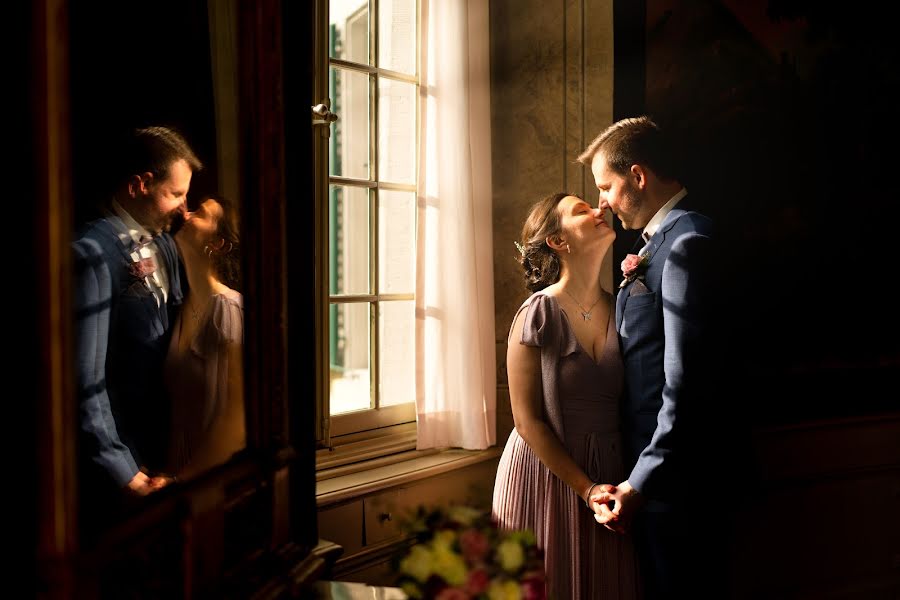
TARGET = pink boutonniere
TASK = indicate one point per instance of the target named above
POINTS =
(143, 267)
(633, 267)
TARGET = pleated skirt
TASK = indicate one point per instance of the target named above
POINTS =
(582, 559)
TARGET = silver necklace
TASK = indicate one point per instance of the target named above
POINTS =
(585, 313)
(194, 313)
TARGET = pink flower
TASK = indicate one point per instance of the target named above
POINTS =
(474, 545)
(533, 587)
(452, 593)
(478, 581)
(632, 263)
(143, 267)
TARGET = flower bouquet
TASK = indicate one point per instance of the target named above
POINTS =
(460, 553)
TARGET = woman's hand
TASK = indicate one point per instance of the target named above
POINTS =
(626, 501)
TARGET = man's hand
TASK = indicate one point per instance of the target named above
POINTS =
(627, 501)
(142, 484)
(139, 485)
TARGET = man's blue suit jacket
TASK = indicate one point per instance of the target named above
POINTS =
(665, 344)
(121, 339)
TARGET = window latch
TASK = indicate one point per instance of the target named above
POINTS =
(322, 115)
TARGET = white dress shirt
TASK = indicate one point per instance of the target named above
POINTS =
(660, 215)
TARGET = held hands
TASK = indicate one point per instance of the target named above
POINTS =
(614, 506)
(141, 484)
(596, 497)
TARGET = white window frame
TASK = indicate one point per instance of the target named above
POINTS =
(371, 433)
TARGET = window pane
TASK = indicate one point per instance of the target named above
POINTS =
(348, 240)
(348, 147)
(396, 242)
(349, 31)
(349, 349)
(396, 352)
(397, 35)
(396, 131)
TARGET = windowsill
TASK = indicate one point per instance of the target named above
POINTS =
(367, 477)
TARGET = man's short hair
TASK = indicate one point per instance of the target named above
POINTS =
(636, 140)
(154, 149)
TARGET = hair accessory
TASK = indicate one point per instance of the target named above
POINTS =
(520, 248)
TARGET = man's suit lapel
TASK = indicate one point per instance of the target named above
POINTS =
(659, 238)
(650, 248)
(621, 298)
(112, 233)
(166, 247)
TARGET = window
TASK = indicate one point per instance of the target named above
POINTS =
(368, 78)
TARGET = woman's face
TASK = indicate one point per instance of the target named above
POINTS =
(583, 227)
(201, 226)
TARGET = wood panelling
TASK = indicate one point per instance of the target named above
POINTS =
(551, 94)
(821, 519)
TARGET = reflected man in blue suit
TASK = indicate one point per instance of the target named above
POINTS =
(127, 292)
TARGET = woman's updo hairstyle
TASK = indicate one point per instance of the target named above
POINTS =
(225, 254)
(539, 261)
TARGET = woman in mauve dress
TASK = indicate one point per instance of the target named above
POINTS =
(203, 369)
(565, 377)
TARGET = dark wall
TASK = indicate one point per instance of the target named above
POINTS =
(135, 64)
(783, 116)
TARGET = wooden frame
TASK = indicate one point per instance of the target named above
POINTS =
(242, 529)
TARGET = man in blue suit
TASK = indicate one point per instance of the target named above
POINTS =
(127, 291)
(663, 316)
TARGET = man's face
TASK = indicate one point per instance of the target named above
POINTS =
(617, 193)
(164, 199)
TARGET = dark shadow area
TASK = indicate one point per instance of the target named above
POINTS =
(782, 115)
(135, 64)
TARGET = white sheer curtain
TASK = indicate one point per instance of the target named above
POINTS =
(455, 347)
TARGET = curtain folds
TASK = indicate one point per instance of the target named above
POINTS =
(455, 346)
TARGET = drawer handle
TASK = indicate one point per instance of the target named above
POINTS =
(385, 517)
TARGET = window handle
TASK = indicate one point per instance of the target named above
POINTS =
(322, 116)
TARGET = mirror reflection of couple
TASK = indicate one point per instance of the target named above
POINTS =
(158, 328)
(608, 462)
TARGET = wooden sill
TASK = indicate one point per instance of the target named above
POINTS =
(419, 464)
(359, 454)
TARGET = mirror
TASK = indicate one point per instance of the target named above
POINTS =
(158, 323)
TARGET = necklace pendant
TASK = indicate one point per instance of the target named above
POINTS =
(586, 316)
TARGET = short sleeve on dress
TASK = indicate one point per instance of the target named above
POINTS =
(225, 325)
(544, 325)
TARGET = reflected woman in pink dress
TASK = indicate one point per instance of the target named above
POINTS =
(565, 379)
(204, 367)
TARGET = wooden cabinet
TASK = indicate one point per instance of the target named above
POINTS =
(370, 526)
(383, 514)
(246, 528)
